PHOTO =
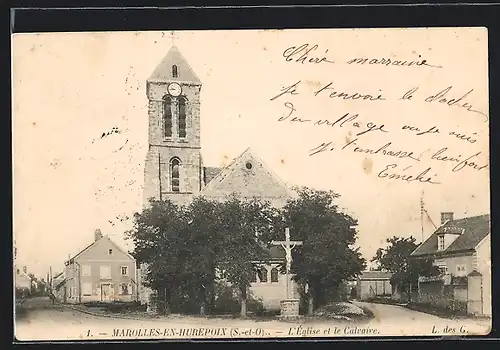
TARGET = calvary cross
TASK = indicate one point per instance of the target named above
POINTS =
(287, 245)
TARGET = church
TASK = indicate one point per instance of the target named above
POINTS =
(174, 167)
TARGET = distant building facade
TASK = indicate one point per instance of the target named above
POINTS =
(371, 284)
(22, 280)
(101, 272)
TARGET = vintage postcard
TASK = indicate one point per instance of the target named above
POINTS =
(251, 184)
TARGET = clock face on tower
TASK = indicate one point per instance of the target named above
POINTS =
(174, 89)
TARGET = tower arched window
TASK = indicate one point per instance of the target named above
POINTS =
(175, 73)
(274, 275)
(175, 168)
(167, 116)
(182, 117)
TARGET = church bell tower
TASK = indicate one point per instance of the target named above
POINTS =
(173, 163)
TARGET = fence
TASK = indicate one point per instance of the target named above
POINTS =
(460, 295)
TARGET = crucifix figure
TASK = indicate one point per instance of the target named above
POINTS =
(288, 245)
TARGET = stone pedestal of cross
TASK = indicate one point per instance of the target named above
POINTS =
(289, 307)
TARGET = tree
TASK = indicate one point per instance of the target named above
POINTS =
(326, 258)
(202, 245)
(242, 247)
(185, 247)
(395, 257)
(158, 242)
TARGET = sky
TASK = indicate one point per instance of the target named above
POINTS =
(70, 88)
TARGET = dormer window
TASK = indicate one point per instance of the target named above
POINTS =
(110, 251)
(174, 71)
(441, 242)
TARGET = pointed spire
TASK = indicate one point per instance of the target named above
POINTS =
(174, 67)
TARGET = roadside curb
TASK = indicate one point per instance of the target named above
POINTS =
(100, 315)
(163, 319)
(154, 319)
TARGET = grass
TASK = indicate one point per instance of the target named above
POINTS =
(387, 301)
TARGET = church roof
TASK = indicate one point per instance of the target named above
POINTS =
(94, 243)
(247, 174)
(163, 71)
(210, 173)
(472, 231)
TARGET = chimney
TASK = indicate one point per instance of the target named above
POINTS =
(97, 235)
(25, 269)
(448, 216)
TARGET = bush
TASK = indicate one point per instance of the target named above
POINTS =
(117, 306)
(455, 308)
(122, 307)
(227, 302)
(256, 307)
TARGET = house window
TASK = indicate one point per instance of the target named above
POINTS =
(105, 272)
(167, 116)
(124, 270)
(85, 270)
(443, 269)
(175, 73)
(274, 275)
(461, 270)
(125, 289)
(17, 271)
(110, 251)
(441, 242)
(262, 274)
(182, 117)
(87, 289)
(175, 165)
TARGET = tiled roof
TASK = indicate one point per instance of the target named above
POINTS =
(474, 229)
(273, 253)
(95, 242)
(369, 275)
(163, 71)
(210, 173)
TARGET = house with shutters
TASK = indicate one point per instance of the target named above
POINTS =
(101, 272)
(460, 248)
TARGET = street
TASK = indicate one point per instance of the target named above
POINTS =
(45, 321)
